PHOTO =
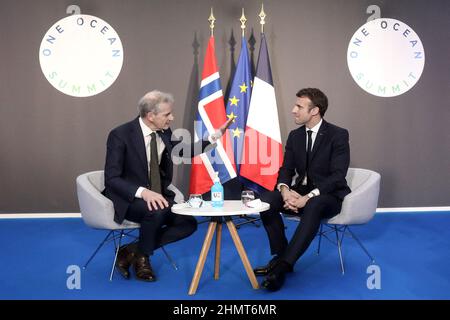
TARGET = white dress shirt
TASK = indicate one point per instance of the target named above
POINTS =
(314, 130)
(160, 146)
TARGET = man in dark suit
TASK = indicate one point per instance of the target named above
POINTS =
(138, 171)
(318, 153)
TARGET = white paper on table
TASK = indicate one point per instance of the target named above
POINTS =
(254, 203)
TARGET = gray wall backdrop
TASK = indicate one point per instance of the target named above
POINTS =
(47, 138)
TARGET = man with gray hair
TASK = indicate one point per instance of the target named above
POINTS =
(138, 171)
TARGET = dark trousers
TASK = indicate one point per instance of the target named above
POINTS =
(316, 209)
(159, 227)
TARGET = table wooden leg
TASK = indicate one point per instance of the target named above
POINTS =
(217, 257)
(202, 258)
(242, 254)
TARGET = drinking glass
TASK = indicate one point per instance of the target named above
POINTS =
(195, 200)
(247, 195)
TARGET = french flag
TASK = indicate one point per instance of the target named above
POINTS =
(211, 116)
(263, 150)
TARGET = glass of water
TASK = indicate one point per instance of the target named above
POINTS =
(195, 200)
(247, 195)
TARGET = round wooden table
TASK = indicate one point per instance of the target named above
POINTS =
(218, 216)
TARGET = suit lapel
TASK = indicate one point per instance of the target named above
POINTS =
(165, 137)
(320, 137)
(137, 139)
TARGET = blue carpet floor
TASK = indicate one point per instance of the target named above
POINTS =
(411, 250)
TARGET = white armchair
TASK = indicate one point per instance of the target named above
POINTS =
(358, 207)
(97, 212)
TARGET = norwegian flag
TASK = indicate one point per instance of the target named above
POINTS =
(211, 115)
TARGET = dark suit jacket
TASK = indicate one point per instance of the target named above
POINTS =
(328, 165)
(126, 167)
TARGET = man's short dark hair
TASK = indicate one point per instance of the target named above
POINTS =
(317, 97)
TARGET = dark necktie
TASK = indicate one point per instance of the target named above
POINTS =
(308, 154)
(155, 178)
(309, 147)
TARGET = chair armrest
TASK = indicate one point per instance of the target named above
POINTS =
(360, 205)
(96, 210)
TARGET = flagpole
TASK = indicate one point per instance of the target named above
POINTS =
(210, 115)
(262, 16)
(211, 20)
(243, 20)
(262, 126)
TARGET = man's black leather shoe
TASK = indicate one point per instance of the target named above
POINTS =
(268, 268)
(143, 268)
(124, 260)
(274, 281)
(265, 270)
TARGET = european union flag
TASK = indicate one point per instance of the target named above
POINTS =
(238, 102)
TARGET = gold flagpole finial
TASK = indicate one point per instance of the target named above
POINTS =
(211, 20)
(243, 20)
(262, 15)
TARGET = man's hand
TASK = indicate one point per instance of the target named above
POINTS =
(154, 200)
(219, 132)
(292, 199)
(289, 198)
(287, 194)
(225, 126)
(296, 203)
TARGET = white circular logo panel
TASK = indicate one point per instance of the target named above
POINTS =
(385, 57)
(81, 55)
